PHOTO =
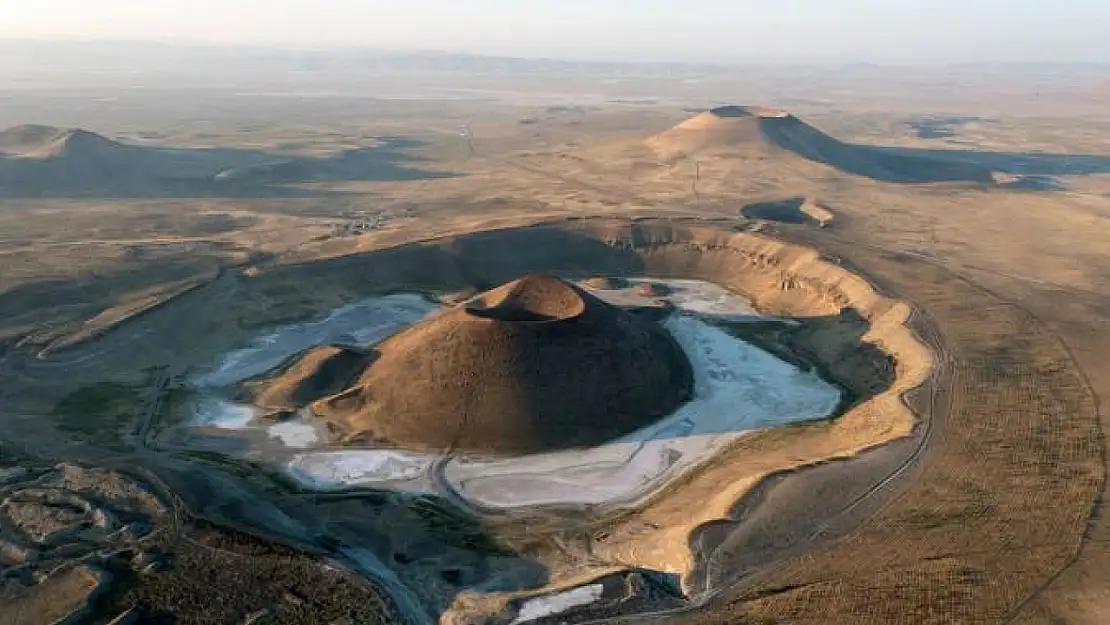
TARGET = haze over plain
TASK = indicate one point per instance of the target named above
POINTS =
(799, 31)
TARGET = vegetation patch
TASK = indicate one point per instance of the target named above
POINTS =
(98, 410)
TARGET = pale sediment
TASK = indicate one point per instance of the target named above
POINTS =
(848, 314)
(785, 280)
(791, 281)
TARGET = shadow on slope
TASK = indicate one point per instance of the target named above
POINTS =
(897, 164)
(41, 161)
(1017, 163)
(762, 132)
(905, 166)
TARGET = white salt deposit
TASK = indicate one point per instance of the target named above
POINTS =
(361, 323)
(216, 413)
(338, 469)
(294, 434)
(540, 607)
(738, 388)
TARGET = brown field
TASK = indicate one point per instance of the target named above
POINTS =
(943, 254)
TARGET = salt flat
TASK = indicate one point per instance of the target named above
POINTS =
(738, 388)
(330, 470)
(293, 434)
(362, 323)
(540, 607)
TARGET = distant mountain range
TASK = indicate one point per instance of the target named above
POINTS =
(144, 56)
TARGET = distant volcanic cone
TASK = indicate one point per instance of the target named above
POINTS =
(772, 137)
(534, 365)
(725, 127)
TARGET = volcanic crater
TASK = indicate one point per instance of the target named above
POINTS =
(535, 365)
(557, 398)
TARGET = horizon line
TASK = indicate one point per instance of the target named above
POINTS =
(523, 55)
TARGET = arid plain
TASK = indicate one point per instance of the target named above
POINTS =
(930, 245)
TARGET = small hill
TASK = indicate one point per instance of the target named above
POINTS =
(79, 144)
(604, 283)
(37, 142)
(319, 372)
(535, 365)
(653, 289)
(777, 137)
(28, 137)
(46, 161)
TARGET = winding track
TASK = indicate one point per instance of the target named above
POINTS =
(1068, 356)
(939, 378)
(1018, 609)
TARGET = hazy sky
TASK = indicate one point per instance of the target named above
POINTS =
(711, 30)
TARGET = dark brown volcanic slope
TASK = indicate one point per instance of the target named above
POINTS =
(319, 372)
(770, 135)
(534, 365)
